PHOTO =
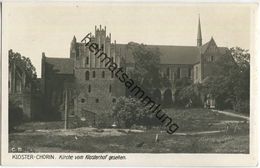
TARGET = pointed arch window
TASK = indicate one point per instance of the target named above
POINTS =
(87, 60)
(168, 72)
(93, 74)
(112, 74)
(87, 75)
(189, 72)
(82, 100)
(103, 74)
(178, 73)
(89, 88)
(197, 72)
(212, 58)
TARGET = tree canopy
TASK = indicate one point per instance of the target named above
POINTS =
(230, 83)
(24, 63)
(146, 70)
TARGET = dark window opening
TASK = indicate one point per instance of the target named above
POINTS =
(113, 100)
(197, 73)
(212, 58)
(93, 74)
(97, 100)
(102, 47)
(168, 72)
(89, 88)
(112, 74)
(189, 72)
(87, 75)
(178, 73)
(82, 100)
(103, 74)
(87, 60)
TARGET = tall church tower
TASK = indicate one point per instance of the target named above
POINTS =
(199, 37)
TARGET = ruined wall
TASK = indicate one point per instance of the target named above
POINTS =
(23, 100)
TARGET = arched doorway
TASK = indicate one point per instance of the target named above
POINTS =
(167, 98)
(157, 96)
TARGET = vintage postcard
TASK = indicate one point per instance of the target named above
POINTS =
(127, 83)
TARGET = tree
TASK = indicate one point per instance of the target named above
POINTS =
(230, 82)
(189, 96)
(146, 68)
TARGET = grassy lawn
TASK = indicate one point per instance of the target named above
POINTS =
(189, 120)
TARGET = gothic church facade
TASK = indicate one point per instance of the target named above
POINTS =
(82, 87)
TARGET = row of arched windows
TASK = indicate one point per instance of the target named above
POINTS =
(178, 72)
(210, 58)
(87, 74)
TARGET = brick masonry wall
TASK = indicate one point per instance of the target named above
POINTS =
(100, 98)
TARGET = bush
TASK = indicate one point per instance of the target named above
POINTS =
(130, 111)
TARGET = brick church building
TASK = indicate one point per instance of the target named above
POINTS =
(81, 87)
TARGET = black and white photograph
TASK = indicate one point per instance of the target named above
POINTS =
(108, 79)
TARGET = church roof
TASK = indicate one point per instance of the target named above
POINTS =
(169, 54)
(179, 54)
(204, 47)
(61, 65)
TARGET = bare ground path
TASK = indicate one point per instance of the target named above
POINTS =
(231, 114)
(85, 131)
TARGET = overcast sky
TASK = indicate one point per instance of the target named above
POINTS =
(33, 28)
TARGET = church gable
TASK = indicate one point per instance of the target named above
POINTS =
(209, 47)
(210, 51)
